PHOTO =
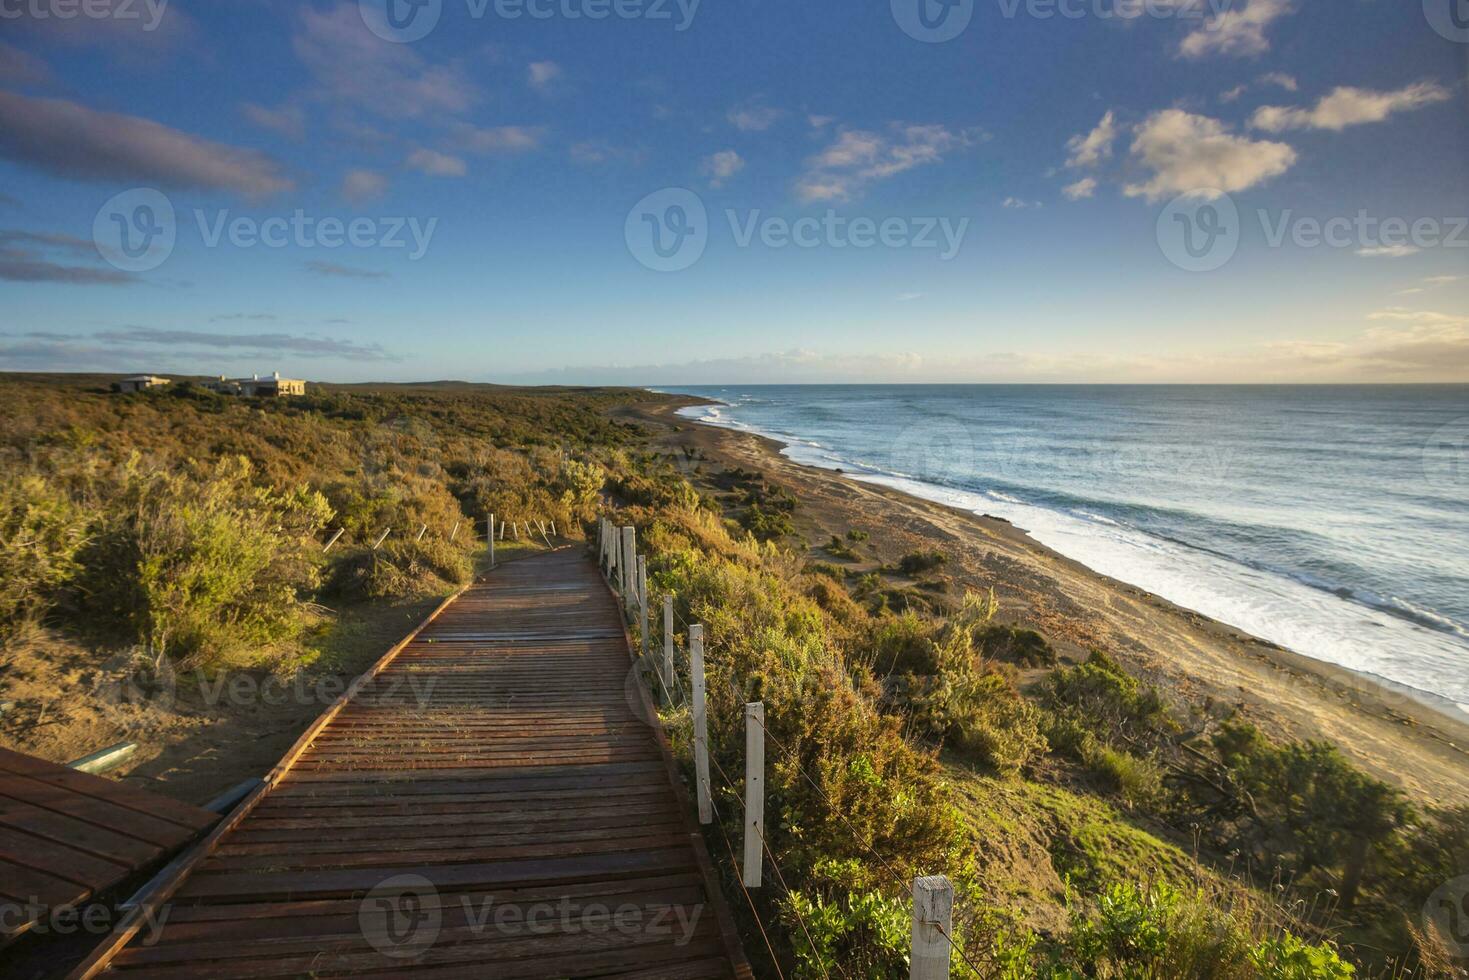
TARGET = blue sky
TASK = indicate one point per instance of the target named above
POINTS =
(1034, 179)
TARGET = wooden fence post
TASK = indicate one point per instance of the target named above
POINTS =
(701, 725)
(421, 532)
(754, 794)
(454, 533)
(380, 540)
(933, 922)
(340, 531)
(492, 540)
(643, 603)
(668, 646)
(629, 567)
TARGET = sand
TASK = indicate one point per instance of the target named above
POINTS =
(1392, 736)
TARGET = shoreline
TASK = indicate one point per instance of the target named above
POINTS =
(1384, 729)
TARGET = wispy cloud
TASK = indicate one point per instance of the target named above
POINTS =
(543, 76)
(1348, 106)
(286, 120)
(1082, 189)
(496, 139)
(1089, 149)
(363, 186)
(432, 163)
(352, 66)
(1237, 31)
(292, 343)
(47, 257)
(754, 117)
(332, 270)
(721, 166)
(69, 140)
(859, 157)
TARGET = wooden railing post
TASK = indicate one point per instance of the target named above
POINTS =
(933, 923)
(701, 724)
(668, 646)
(643, 603)
(629, 567)
(335, 537)
(754, 793)
(379, 543)
(491, 535)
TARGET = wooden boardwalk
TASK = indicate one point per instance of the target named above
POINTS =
(66, 836)
(489, 804)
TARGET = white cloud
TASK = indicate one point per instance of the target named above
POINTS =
(1235, 32)
(1441, 280)
(1281, 79)
(543, 75)
(362, 186)
(858, 157)
(497, 139)
(436, 164)
(1191, 154)
(1388, 251)
(721, 166)
(354, 66)
(1233, 94)
(820, 122)
(1083, 188)
(753, 118)
(1016, 204)
(908, 297)
(69, 140)
(19, 67)
(1094, 147)
(287, 120)
(1348, 106)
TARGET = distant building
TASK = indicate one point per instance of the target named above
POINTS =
(141, 382)
(274, 386)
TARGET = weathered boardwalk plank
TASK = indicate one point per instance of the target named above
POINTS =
(489, 804)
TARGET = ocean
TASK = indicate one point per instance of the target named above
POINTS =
(1332, 520)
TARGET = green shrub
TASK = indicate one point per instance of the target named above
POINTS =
(919, 562)
(1288, 958)
(201, 563)
(41, 531)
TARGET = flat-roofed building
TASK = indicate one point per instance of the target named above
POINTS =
(274, 386)
(140, 382)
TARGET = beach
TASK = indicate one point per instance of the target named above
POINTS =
(1394, 736)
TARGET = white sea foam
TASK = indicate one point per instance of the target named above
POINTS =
(1410, 657)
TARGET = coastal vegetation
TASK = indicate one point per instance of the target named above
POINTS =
(1094, 824)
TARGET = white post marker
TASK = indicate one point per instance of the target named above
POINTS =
(629, 566)
(754, 794)
(933, 923)
(454, 533)
(380, 540)
(701, 725)
(492, 540)
(668, 646)
(421, 532)
(643, 603)
(340, 531)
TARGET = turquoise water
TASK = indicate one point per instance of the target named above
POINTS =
(1333, 520)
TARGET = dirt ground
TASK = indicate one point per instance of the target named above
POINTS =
(1394, 737)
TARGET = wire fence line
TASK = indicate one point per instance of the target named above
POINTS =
(626, 575)
(533, 527)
